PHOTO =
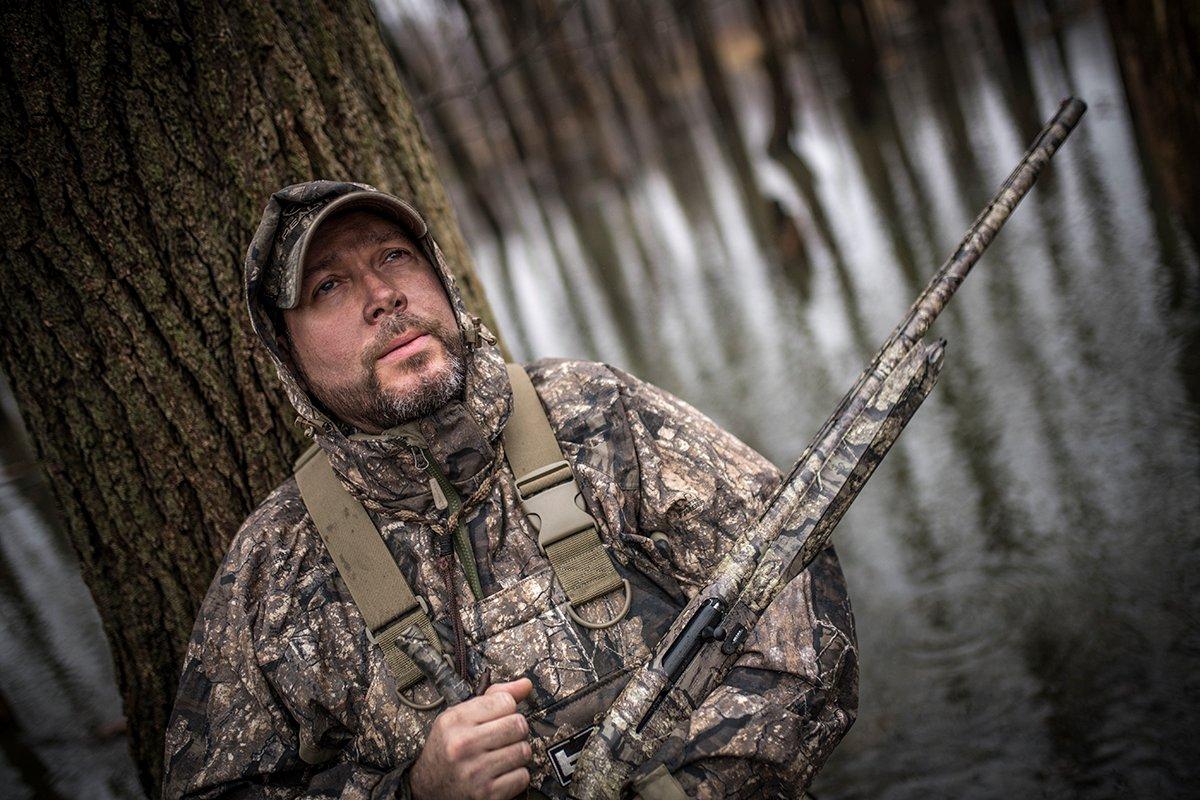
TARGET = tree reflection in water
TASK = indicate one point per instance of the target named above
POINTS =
(1020, 566)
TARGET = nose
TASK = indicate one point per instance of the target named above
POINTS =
(383, 296)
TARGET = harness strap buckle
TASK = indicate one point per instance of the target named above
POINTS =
(556, 513)
(568, 537)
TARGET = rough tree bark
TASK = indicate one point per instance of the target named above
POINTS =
(139, 148)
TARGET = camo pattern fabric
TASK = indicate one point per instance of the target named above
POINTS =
(283, 695)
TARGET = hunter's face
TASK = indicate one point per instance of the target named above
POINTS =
(373, 335)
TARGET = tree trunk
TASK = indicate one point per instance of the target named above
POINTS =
(1158, 45)
(139, 151)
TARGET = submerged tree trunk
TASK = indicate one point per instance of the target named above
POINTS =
(139, 151)
(1158, 45)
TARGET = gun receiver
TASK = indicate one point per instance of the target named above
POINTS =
(704, 642)
(705, 625)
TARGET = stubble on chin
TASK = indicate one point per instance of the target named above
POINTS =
(368, 401)
(390, 407)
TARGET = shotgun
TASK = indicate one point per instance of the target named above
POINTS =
(704, 642)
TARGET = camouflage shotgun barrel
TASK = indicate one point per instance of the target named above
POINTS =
(704, 642)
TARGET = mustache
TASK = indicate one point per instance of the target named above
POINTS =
(399, 323)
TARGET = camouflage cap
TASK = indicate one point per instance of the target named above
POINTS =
(275, 260)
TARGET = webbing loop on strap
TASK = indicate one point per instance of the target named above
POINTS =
(378, 588)
(391, 630)
(552, 502)
(403, 668)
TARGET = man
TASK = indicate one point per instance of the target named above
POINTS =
(284, 693)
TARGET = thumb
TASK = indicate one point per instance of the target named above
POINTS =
(519, 689)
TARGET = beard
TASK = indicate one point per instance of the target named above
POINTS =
(368, 401)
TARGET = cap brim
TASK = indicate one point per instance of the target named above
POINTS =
(383, 204)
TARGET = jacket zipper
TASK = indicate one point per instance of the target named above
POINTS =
(446, 498)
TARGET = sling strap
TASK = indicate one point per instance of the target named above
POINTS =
(550, 496)
(383, 596)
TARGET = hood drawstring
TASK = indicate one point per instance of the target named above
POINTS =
(445, 562)
(445, 558)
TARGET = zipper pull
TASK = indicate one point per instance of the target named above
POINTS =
(421, 460)
(439, 497)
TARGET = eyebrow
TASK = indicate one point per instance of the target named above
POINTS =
(368, 239)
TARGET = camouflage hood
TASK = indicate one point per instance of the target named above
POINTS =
(461, 436)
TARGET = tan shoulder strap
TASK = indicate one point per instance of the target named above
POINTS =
(366, 565)
(550, 496)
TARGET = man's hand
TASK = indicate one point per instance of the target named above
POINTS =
(476, 750)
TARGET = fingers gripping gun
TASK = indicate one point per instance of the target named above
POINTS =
(703, 643)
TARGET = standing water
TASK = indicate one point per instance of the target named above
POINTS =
(61, 730)
(738, 201)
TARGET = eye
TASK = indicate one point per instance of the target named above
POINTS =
(397, 254)
(324, 287)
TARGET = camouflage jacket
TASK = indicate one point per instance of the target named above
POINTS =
(283, 695)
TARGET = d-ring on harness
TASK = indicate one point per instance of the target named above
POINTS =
(567, 534)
